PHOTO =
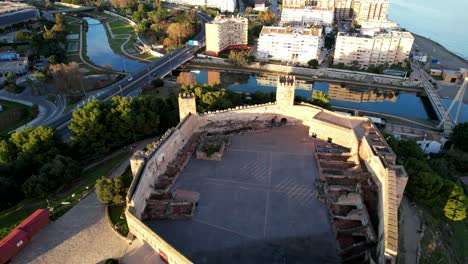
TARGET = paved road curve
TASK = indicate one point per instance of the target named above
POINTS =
(47, 110)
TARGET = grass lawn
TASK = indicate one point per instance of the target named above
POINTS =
(119, 27)
(80, 188)
(438, 78)
(9, 107)
(73, 25)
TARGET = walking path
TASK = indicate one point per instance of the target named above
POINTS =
(47, 110)
(123, 36)
(82, 235)
(410, 233)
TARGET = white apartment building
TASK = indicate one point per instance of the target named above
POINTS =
(225, 33)
(391, 47)
(370, 10)
(312, 3)
(290, 44)
(370, 27)
(307, 15)
(343, 9)
(223, 5)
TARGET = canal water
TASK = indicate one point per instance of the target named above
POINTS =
(99, 51)
(403, 104)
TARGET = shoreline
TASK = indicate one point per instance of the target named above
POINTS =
(440, 50)
(459, 56)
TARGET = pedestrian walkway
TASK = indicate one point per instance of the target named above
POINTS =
(83, 235)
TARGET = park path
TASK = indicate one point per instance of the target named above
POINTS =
(83, 235)
(410, 233)
(123, 36)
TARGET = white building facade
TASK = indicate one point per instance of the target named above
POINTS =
(223, 5)
(384, 47)
(308, 15)
(288, 44)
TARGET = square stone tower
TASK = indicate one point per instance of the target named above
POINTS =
(187, 105)
(285, 92)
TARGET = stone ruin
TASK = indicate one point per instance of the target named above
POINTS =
(350, 194)
(165, 202)
(212, 147)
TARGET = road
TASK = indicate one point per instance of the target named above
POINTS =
(131, 84)
(47, 110)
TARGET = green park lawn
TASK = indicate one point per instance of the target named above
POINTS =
(80, 188)
(9, 107)
(119, 27)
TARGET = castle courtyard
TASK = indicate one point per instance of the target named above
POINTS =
(258, 205)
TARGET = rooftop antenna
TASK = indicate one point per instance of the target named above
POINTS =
(458, 99)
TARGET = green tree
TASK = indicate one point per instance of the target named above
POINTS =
(40, 76)
(10, 82)
(7, 152)
(23, 35)
(355, 65)
(52, 59)
(321, 99)
(89, 131)
(459, 136)
(58, 171)
(110, 190)
(313, 63)
(141, 28)
(408, 149)
(36, 145)
(456, 207)
(267, 17)
(238, 58)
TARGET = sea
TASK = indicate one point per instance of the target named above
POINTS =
(445, 22)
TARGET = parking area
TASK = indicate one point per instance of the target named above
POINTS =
(258, 205)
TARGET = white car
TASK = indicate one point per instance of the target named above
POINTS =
(130, 79)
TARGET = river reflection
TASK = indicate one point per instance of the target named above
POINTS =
(403, 104)
(99, 51)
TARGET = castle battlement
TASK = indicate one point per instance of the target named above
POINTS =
(186, 95)
(242, 107)
(287, 80)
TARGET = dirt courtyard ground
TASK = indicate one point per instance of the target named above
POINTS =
(258, 205)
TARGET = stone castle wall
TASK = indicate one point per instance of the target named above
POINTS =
(156, 163)
(322, 123)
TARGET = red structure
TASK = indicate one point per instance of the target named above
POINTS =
(35, 222)
(12, 244)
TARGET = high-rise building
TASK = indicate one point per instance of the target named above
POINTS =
(290, 44)
(343, 9)
(224, 33)
(390, 47)
(371, 10)
(223, 5)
